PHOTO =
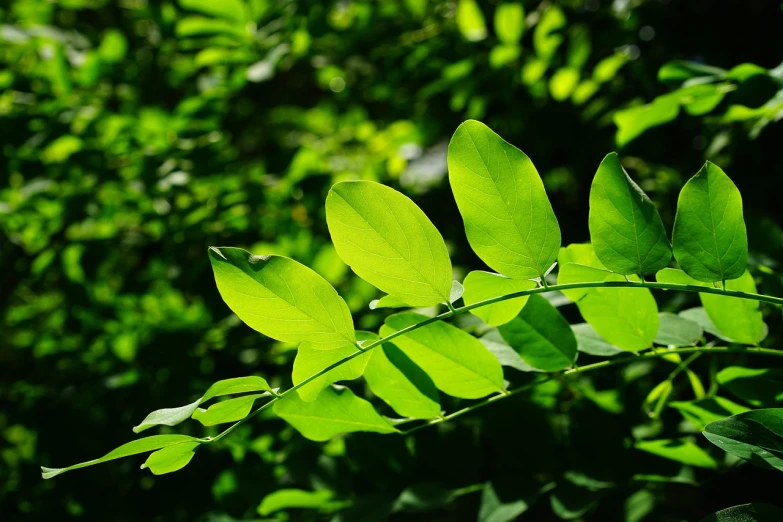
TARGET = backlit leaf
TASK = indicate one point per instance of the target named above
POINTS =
(674, 330)
(281, 298)
(294, 498)
(230, 410)
(457, 362)
(389, 242)
(588, 341)
(709, 239)
(509, 22)
(542, 336)
(171, 458)
(480, 286)
(683, 451)
(707, 410)
(334, 412)
(625, 228)
(470, 20)
(508, 218)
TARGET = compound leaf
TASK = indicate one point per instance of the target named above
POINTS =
(457, 362)
(333, 412)
(480, 286)
(541, 336)
(625, 228)
(389, 242)
(508, 218)
(709, 239)
(281, 298)
(310, 361)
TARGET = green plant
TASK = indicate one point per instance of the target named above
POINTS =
(389, 242)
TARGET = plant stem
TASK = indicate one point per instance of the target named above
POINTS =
(696, 350)
(538, 290)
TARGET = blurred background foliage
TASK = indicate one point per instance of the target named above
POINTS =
(136, 133)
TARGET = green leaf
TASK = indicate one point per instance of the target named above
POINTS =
(747, 513)
(389, 242)
(395, 378)
(709, 239)
(493, 509)
(334, 412)
(171, 458)
(230, 410)
(633, 122)
(470, 21)
(704, 411)
(657, 398)
(480, 286)
(506, 355)
(173, 416)
(737, 319)
(281, 298)
(756, 436)
(135, 447)
(625, 317)
(310, 361)
(509, 22)
(547, 36)
(542, 336)
(625, 228)
(232, 10)
(699, 315)
(294, 498)
(674, 330)
(588, 341)
(388, 301)
(682, 450)
(563, 82)
(457, 362)
(508, 218)
(759, 387)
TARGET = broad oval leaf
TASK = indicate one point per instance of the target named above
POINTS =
(173, 416)
(480, 286)
(757, 512)
(675, 330)
(389, 242)
(509, 22)
(759, 387)
(281, 298)
(395, 378)
(171, 458)
(230, 410)
(457, 362)
(135, 447)
(739, 320)
(588, 341)
(756, 436)
(625, 317)
(625, 228)
(508, 218)
(310, 361)
(709, 239)
(334, 412)
(541, 336)
(680, 450)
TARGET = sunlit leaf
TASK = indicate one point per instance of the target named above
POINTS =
(470, 20)
(683, 451)
(480, 286)
(588, 341)
(230, 410)
(546, 35)
(509, 22)
(674, 330)
(704, 411)
(294, 498)
(171, 458)
(310, 361)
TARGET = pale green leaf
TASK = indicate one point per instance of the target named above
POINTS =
(563, 82)
(135, 447)
(756, 436)
(759, 387)
(334, 412)
(171, 458)
(738, 319)
(674, 330)
(173, 416)
(709, 239)
(456, 361)
(624, 317)
(710, 409)
(699, 315)
(683, 451)
(456, 292)
(480, 286)
(508, 218)
(656, 399)
(756, 512)
(509, 22)
(541, 336)
(281, 298)
(633, 122)
(310, 361)
(388, 301)
(294, 498)
(389, 242)
(625, 228)
(395, 378)
(230, 410)
(470, 20)
(588, 341)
